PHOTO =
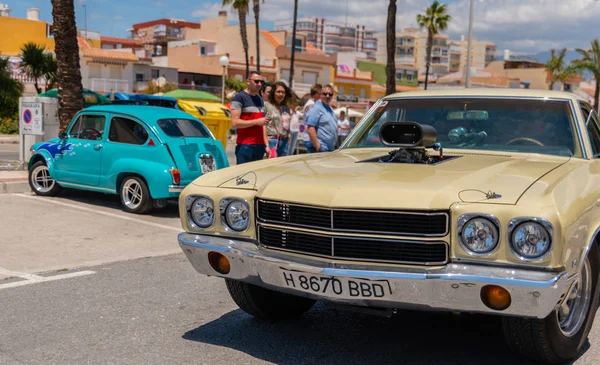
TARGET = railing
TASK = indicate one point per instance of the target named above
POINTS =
(108, 85)
(409, 60)
(24, 79)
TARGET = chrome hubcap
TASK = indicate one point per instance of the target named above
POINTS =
(572, 312)
(132, 194)
(41, 180)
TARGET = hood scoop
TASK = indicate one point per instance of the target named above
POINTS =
(417, 156)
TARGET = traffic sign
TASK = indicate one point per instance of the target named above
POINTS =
(32, 118)
(27, 116)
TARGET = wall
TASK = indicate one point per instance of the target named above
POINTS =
(21, 31)
(301, 67)
(186, 59)
(535, 76)
(125, 71)
(379, 73)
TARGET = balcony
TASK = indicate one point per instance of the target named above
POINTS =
(407, 60)
(108, 85)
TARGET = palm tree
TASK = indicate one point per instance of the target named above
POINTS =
(10, 91)
(34, 62)
(50, 70)
(257, 20)
(390, 83)
(293, 43)
(70, 89)
(559, 71)
(435, 20)
(590, 61)
(242, 8)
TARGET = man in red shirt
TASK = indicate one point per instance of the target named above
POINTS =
(248, 117)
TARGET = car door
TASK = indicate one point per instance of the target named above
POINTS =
(79, 164)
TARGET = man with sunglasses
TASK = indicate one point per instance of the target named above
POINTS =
(248, 117)
(321, 123)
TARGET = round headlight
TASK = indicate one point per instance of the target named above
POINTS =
(203, 212)
(479, 235)
(237, 215)
(530, 240)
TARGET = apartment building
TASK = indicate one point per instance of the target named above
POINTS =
(331, 37)
(447, 55)
(156, 34)
(482, 53)
(411, 50)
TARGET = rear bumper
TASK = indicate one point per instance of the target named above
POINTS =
(176, 188)
(454, 287)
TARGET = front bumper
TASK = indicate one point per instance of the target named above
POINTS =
(454, 287)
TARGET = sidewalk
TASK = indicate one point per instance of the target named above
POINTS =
(14, 182)
(9, 138)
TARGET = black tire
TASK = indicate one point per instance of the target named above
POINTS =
(267, 304)
(37, 187)
(542, 339)
(145, 204)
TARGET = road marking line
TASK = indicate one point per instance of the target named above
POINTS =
(34, 279)
(114, 215)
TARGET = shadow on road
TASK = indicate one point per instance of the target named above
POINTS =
(113, 202)
(330, 336)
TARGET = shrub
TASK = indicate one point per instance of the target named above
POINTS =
(9, 125)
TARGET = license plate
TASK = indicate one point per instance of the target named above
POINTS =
(207, 164)
(331, 286)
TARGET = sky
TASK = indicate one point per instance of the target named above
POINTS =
(523, 26)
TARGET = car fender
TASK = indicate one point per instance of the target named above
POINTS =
(42, 155)
(157, 175)
(593, 238)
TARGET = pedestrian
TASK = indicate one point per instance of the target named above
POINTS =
(315, 95)
(278, 111)
(248, 117)
(265, 91)
(294, 127)
(343, 127)
(321, 124)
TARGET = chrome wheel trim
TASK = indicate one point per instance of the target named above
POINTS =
(132, 194)
(572, 312)
(41, 180)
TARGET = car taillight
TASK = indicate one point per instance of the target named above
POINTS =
(176, 176)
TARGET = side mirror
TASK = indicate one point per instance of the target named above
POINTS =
(63, 135)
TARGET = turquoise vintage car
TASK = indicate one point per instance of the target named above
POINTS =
(145, 154)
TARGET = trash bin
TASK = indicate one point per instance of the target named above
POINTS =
(216, 116)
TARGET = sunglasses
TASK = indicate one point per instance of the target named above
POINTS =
(327, 94)
(258, 81)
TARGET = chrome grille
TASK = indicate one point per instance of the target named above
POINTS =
(408, 223)
(355, 248)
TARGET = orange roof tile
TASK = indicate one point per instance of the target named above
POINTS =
(270, 38)
(406, 88)
(312, 49)
(109, 55)
(83, 44)
(127, 41)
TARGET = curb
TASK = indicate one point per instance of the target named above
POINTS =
(14, 187)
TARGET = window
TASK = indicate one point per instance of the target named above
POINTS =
(88, 127)
(399, 75)
(409, 77)
(593, 130)
(155, 73)
(340, 90)
(202, 50)
(183, 128)
(363, 93)
(139, 77)
(123, 130)
(310, 77)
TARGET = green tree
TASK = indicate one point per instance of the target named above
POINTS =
(50, 70)
(557, 68)
(34, 62)
(10, 92)
(590, 61)
(390, 83)
(435, 20)
(242, 8)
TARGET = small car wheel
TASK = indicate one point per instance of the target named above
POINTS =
(560, 336)
(41, 182)
(267, 304)
(135, 196)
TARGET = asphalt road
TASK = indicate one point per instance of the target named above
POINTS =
(9, 152)
(114, 288)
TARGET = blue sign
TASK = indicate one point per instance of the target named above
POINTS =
(27, 116)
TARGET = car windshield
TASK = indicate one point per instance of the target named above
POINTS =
(494, 124)
(183, 128)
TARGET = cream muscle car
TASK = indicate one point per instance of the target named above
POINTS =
(473, 200)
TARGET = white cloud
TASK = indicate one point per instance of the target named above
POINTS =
(524, 26)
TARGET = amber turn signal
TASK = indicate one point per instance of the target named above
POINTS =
(495, 297)
(219, 262)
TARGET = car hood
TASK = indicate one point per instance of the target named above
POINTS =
(343, 179)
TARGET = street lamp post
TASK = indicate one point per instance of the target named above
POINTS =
(224, 61)
(468, 70)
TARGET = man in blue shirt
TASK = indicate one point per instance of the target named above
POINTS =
(321, 123)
